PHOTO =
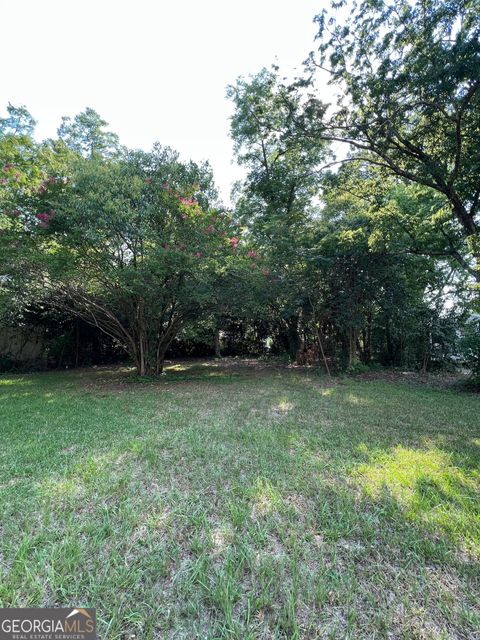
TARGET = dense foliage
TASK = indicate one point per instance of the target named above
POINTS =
(133, 244)
(409, 80)
(370, 259)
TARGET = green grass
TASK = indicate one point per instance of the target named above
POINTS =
(242, 502)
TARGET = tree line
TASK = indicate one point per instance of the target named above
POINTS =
(353, 239)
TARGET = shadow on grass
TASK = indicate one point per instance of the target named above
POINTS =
(351, 508)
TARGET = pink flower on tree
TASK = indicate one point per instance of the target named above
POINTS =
(47, 215)
(45, 218)
(251, 254)
(233, 242)
(187, 201)
(198, 254)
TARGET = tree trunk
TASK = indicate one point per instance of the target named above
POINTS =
(293, 337)
(141, 368)
(164, 342)
(366, 349)
(160, 357)
(320, 344)
(352, 346)
(217, 344)
(162, 349)
(62, 353)
(77, 343)
(159, 363)
(389, 343)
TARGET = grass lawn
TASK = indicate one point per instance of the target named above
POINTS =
(234, 501)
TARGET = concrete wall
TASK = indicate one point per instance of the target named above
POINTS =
(21, 345)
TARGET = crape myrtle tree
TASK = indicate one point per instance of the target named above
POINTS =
(26, 170)
(20, 159)
(138, 250)
(22, 166)
(132, 244)
(408, 76)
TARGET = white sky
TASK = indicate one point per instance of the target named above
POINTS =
(155, 70)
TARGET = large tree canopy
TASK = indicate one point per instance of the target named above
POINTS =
(134, 245)
(409, 80)
(348, 266)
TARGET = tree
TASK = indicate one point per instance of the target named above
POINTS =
(282, 170)
(400, 217)
(277, 199)
(19, 122)
(85, 134)
(130, 245)
(409, 79)
(470, 346)
(379, 288)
